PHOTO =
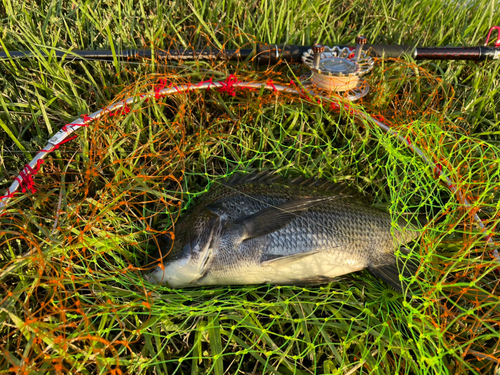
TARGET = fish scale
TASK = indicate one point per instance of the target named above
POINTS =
(267, 229)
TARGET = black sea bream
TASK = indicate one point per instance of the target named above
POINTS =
(265, 229)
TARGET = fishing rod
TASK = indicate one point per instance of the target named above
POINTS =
(332, 69)
(271, 54)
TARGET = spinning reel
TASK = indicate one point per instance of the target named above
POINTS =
(338, 69)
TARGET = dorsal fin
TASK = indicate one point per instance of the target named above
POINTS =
(269, 177)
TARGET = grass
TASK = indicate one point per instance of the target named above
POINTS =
(73, 254)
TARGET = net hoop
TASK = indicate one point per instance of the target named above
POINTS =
(64, 134)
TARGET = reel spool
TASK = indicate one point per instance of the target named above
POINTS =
(338, 69)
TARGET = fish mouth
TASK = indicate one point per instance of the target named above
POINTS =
(192, 264)
(157, 276)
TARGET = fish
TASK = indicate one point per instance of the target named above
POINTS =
(262, 228)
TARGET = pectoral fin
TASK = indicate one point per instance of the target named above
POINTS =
(279, 261)
(271, 219)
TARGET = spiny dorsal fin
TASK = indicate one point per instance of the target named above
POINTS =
(262, 177)
(269, 177)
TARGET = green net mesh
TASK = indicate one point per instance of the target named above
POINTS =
(74, 254)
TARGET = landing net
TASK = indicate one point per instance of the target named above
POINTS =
(76, 244)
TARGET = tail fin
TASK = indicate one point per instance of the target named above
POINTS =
(395, 271)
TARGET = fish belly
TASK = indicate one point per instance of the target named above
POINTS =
(315, 269)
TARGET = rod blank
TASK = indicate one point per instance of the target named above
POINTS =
(266, 54)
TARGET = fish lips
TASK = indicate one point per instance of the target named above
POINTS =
(178, 272)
